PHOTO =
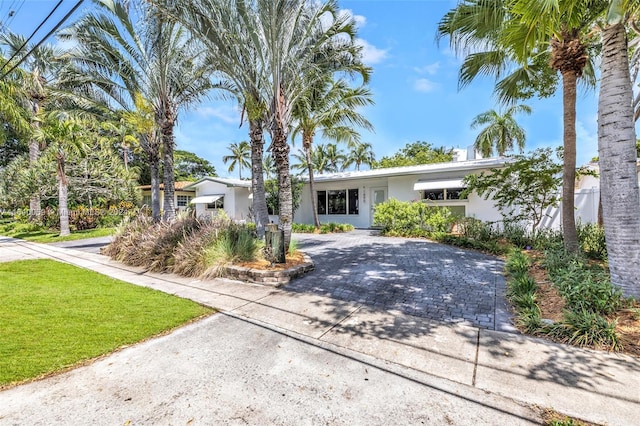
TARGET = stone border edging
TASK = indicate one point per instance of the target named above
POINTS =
(268, 278)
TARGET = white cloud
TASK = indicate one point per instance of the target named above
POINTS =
(371, 54)
(424, 85)
(430, 69)
(226, 114)
(586, 139)
(361, 21)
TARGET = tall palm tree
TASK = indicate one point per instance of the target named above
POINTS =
(240, 156)
(268, 166)
(617, 154)
(299, 42)
(361, 153)
(500, 131)
(535, 40)
(219, 24)
(38, 78)
(61, 135)
(142, 52)
(330, 107)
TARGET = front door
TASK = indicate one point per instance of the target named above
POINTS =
(378, 195)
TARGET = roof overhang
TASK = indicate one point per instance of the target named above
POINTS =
(437, 184)
(206, 199)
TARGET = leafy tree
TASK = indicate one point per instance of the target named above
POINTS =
(414, 154)
(523, 189)
(188, 166)
(501, 131)
(271, 188)
(240, 156)
(361, 153)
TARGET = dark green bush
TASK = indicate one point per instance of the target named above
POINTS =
(404, 218)
(592, 241)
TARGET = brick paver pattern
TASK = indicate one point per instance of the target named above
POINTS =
(414, 276)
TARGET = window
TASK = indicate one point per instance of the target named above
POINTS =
(338, 201)
(183, 200)
(322, 202)
(443, 194)
(218, 204)
(353, 201)
(146, 200)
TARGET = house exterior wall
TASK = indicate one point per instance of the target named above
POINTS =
(146, 195)
(236, 199)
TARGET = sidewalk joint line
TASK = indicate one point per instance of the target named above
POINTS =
(340, 322)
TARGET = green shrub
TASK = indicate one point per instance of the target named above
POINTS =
(303, 228)
(592, 241)
(517, 235)
(192, 257)
(476, 229)
(412, 219)
(491, 246)
(236, 243)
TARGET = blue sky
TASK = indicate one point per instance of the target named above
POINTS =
(414, 84)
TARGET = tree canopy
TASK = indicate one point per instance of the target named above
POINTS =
(414, 154)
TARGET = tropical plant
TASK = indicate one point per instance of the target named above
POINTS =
(500, 131)
(127, 53)
(331, 107)
(535, 39)
(61, 135)
(240, 156)
(268, 166)
(360, 154)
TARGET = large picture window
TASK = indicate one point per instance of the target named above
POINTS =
(338, 201)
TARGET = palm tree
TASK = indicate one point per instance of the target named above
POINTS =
(143, 52)
(219, 24)
(240, 156)
(38, 78)
(268, 166)
(330, 107)
(501, 131)
(62, 136)
(617, 154)
(361, 153)
(532, 37)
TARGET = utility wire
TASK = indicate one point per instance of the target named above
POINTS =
(30, 37)
(53, 30)
(13, 16)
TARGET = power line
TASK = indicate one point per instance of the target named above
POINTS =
(30, 37)
(13, 13)
(53, 30)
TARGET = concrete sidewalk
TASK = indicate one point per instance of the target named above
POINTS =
(590, 385)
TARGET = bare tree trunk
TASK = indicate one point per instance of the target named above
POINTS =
(307, 142)
(260, 211)
(281, 157)
(169, 178)
(569, 83)
(63, 199)
(618, 168)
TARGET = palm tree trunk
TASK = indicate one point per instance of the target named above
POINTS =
(260, 212)
(569, 83)
(618, 168)
(306, 143)
(154, 166)
(63, 198)
(34, 153)
(169, 178)
(281, 157)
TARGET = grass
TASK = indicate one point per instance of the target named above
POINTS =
(50, 322)
(52, 236)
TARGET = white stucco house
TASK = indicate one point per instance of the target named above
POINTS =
(214, 194)
(350, 197)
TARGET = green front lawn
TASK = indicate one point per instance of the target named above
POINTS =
(54, 315)
(38, 235)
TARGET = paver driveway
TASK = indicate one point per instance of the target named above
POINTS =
(414, 276)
